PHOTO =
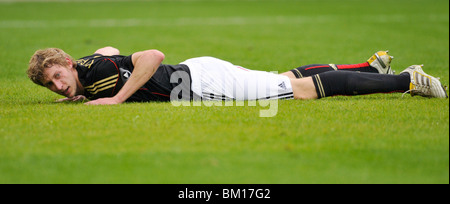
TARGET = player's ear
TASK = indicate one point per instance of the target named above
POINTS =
(69, 62)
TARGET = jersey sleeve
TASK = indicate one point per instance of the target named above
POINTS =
(104, 75)
(126, 63)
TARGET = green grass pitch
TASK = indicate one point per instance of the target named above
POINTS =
(381, 138)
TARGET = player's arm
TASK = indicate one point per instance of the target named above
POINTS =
(107, 51)
(145, 65)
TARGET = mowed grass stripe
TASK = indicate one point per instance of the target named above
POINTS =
(214, 21)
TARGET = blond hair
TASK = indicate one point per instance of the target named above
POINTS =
(46, 58)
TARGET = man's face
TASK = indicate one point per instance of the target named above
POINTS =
(62, 80)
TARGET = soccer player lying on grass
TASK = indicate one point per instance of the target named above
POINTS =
(109, 78)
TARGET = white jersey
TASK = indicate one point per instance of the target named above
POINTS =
(215, 79)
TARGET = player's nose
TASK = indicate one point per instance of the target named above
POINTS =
(58, 85)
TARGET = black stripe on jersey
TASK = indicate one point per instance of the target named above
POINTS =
(279, 96)
(211, 96)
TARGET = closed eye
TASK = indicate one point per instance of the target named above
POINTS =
(57, 75)
(48, 84)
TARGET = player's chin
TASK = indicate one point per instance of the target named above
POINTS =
(70, 95)
(70, 92)
(67, 94)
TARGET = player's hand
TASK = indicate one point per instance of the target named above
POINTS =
(73, 99)
(104, 101)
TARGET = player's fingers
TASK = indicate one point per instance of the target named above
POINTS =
(78, 98)
(62, 99)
